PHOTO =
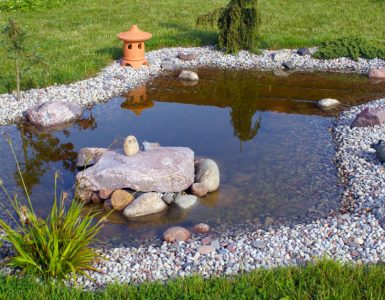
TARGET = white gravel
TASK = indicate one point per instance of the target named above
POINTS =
(355, 235)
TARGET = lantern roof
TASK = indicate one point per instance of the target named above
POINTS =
(134, 35)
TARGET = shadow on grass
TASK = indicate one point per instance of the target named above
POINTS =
(114, 52)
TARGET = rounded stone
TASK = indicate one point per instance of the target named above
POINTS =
(377, 73)
(208, 175)
(185, 201)
(105, 193)
(328, 103)
(120, 199)
(206, 249)
(176, 233)
(199, 189)
(187, 56)
(201, 228)
(107, 205)
(188, 76)
(146, 204)
(95, 198)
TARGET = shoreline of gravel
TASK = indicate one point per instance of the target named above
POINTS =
(115, 80)
(357, 235)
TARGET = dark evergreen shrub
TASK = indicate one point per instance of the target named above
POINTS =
(349, 47)
(238, 25)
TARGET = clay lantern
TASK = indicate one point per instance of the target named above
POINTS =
(133, 47)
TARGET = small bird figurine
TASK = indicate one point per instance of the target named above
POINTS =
(380, 150)
(131, 146)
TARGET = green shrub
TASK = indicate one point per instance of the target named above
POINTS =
(349, 47)
(238, 25)
(55, 247)
(25, 5)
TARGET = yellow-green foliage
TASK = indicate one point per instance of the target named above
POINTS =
(58, 246)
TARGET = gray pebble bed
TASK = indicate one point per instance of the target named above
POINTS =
(355, 234)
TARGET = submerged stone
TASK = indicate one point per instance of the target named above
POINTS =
(163, 169)
(208, 174)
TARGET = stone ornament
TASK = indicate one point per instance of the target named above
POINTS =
(131, 146)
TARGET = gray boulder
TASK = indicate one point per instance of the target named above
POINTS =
(53, 115)
(146, 204)
(185, 201)
(369, 117)
(380, 150)
(207, 173)
(162, 169)
(89, 156)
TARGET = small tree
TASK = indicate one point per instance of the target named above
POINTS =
(238, 25)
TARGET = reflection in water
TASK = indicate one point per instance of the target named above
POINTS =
(285, 170)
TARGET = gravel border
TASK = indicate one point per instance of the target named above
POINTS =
(356, 234)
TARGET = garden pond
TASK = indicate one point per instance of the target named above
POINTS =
(273, 146)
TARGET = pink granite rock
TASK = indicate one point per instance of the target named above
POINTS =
(377, 73)
(53, 115)
(369, 117)
(163, 169)
(176, 233)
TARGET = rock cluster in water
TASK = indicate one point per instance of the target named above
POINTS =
(159, 176)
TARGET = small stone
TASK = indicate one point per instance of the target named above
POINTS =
(303, 51)
(176, 233)
(207, 173)
(280, 56)
(146, 204)
(185, 201)
(258, 244)
(328, 103)
(289, 65)
(369, 117)
(105, 193)
(199, 189)
(120, 199)
(377, 73)
(201, 228)
(169, 66)
(169, 198)
(380, 150)
(107, 205)
(95, 198)
(232, 247)
(187, 56)
(188, 76)
(207, 249)
(206, 241)
(131, 146)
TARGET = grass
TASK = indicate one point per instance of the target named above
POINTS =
(78, 38)
(323, 280)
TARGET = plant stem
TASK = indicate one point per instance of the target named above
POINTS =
(17, 76)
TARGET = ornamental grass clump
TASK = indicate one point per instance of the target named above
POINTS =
(58, 246)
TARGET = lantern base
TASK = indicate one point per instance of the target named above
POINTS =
(136, 64)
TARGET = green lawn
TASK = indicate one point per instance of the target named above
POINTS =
(77, 39)
(324, 280)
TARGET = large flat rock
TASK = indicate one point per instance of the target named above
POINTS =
(162, 169)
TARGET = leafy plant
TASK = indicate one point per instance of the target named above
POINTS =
(58, 246)
(349, 47)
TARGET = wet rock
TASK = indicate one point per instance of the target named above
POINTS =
(188, 76)
(289, 65)
(187, 56)
(377, 74)
(107, 205)
(207, 249)
(169, 198)
(95, 198)
(131, 146)
(164, 169)
(328, 103)
(105, 193)
(51, 115)
(89, 156)
(176, 233)
(146, 204)
(185, 201)
(201, 228)
(120, 199)
(208, 174)
(369, 117)
(199, 189)
(380, 150)
(303, 51)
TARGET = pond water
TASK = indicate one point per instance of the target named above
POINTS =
(271, 142)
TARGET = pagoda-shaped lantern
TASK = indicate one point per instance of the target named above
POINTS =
(133, 47)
